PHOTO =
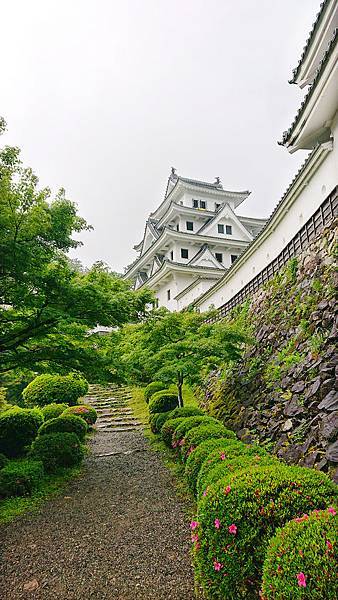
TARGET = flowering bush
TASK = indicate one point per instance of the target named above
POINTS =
(188, 423)
(163, 401)
(66, 423)
(86, 412)
(200, 433)
(152, 388)
(51, 411)
(239, 515)
(301, 559)
(168, 429)
(18, 428)
(197, 457)
(57, 450)
(20, 477)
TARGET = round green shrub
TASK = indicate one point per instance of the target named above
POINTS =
(301, 558)
(3, 461)
(18, 428)
(188, 423)
(162, 402)
(65, 423)
(20, 477)
(152, 388)
(86, 412)
(239, 515)
(186, 411)
(152, 421)
(81, 382)
(201, 453)
(47, 389)
(199, 434)
(220, 456)
(160, 420)
(51, 411)
(168, 429)
(57, 450)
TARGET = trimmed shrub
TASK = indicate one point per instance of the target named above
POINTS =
(3, 461)
(86, 412)
(160, 420)
(65, 423)
(51, 411)
(188, 423)
(162, 402)
(237, 518)
(18, 428)
(20, 477)
(152, 388)
(152, 421)
(81, 382)
(201, 453)
(168, 429)
(199, 434)
(57, 450)
(186, 411)
(221, 456)
(47, 389)
(301, 559)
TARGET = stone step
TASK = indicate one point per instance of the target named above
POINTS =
(119, 425)
(118, 429)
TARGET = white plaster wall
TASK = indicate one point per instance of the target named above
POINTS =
(307, 202)
(198, 290)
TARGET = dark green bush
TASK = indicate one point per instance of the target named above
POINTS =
(81, 382)
(3, 461)
(152, 388)
(168, 429)
(152, 421)
(51, 411)
(47, 389)
(57, 450)
(220, 456)
(186, 411)
(199, 434)
(301, 558)
(162, 402)
(65, 423)
(188, 423)
(160, 420)
(86, 412)
(201, 453)
(20, 477)
(239, 515)
(18, 428)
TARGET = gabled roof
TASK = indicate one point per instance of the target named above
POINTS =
(205, 254)
(287, 134)
(223, 209)
(310, 38)
(150, 226)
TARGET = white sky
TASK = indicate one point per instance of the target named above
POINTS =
(103, 97)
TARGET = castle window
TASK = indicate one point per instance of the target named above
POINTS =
(220, 228)
(168, 294)
(228, 229)
(177, 227)
(195, 203)
(172, 255)
(184, 253)
(233, 257)
(190, 226)
(203, 204)
(219, 257)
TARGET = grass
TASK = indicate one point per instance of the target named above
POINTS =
(140, 409)
(51, 485)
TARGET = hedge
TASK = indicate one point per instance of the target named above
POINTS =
(65, 423)
(302, 558)
(20, 477)
(188, 423)
(85, 411)
(239, 515)
(168, 429)
(57, 450)
(158, 419)
(152, 388)
(162, 402)
(18, 428)
(51, 411)
(47, 389)
(201, 433)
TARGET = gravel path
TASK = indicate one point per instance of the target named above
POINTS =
(118, 532)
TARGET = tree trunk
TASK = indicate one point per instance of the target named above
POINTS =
(179, 388)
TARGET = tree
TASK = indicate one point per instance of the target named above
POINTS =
(177, 347)
(47, 307)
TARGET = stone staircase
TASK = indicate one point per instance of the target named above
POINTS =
(111, 404)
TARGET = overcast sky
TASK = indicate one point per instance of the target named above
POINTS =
(103, 97)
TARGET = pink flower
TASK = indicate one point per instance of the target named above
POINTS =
(191, 449)
(217, 565)
(227, 489)
(232, 529)
(300, 519)
(194, 537)
(332, 511)
(174, 444)
(193, 525)
(301, 579)
(217, 523)
(181, 442)
(329, 545)
(223, 456)
(205, 492)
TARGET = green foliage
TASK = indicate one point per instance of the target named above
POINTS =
(160, 420)
(190, 422)
(183, 411)
(85, 411)
(20, 477)
(48, 389)
(186, 411)
(239, 515)
(162, 401)
(152, 388)
(57, 450)
(51, 411)
(3, 461)
(305, 547)
(196, 458)
(201, 433)
(152, 421)
(168, 429)
(18, 428)
(292, 269)
(66, 423)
